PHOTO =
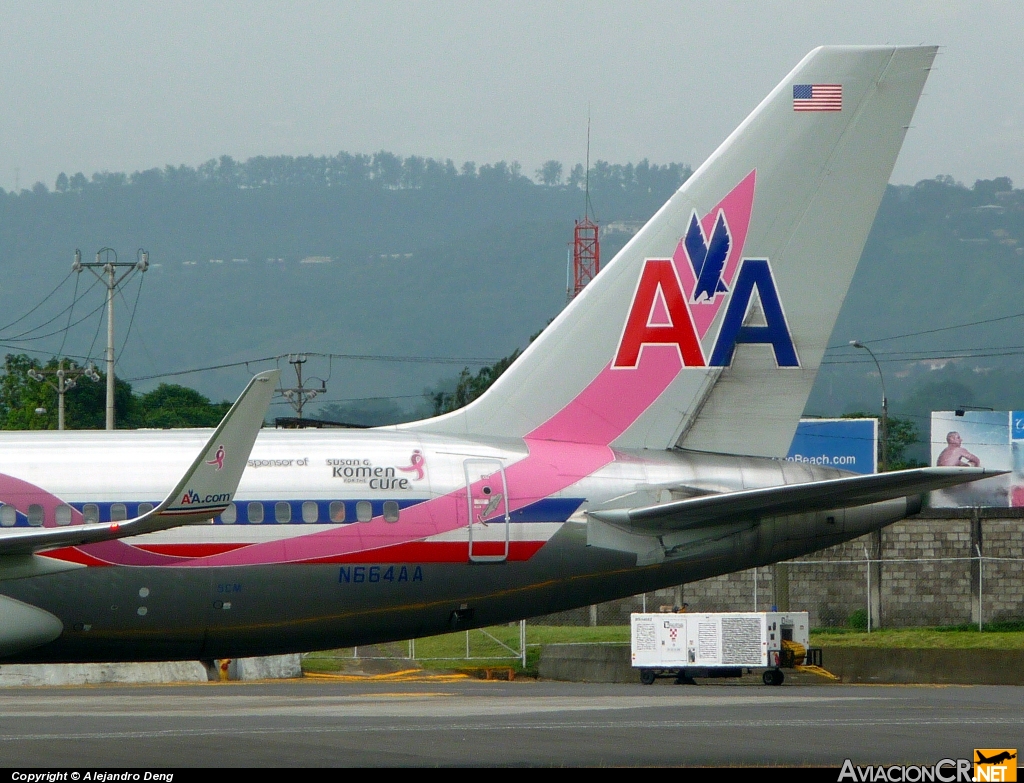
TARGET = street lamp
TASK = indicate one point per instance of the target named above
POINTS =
(885, 406)
(875, 584)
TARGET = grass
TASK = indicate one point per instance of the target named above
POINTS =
(448, 652)
(996, 636)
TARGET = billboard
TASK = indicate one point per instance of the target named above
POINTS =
(988, 439)
(849, 444)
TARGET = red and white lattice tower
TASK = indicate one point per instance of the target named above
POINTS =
(586, 255)
(586, 240)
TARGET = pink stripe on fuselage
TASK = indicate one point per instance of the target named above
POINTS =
(21, 495)
(572, 444)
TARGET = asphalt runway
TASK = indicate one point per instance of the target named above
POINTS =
(470, 722)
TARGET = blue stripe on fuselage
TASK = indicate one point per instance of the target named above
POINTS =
(546, 510)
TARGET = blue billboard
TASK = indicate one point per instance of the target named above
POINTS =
(849, 444)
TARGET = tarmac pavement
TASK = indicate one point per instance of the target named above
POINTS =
(470, 722)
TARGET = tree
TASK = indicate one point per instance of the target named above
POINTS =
(20, 396)
(170, 405)
(470, 386)
(902, 434)
(550, 173)
(577, 176)
(166, 406)
(86, 404)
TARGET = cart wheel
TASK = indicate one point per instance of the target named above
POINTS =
(647, 676)
(778, 677)
(768, 678)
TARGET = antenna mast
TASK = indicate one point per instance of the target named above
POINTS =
(586, 244)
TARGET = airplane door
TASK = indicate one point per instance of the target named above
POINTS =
(487, 496)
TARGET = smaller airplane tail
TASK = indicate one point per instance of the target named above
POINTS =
(708, 328)
(210, 482)
(204, 490)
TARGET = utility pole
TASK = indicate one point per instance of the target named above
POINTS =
(65, 382)
(875, 561)
(108, 276)
(299, 395)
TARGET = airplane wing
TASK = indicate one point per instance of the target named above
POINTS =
(203, 492)
(744, 505)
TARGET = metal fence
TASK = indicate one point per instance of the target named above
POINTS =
(978, 559)
(509, 653)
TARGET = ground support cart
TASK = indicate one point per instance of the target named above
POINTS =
(685, 646)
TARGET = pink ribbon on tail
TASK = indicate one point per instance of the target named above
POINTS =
(418, 462)
(218, 459)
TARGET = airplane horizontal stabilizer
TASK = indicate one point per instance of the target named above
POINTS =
(204, 490)
(748, 504)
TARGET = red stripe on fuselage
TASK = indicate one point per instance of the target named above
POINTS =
(411, 552)
(72, 554)
(189, 550)
(435, 552)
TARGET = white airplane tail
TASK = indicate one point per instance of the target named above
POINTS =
(708, 328)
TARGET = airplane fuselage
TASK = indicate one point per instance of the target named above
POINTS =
(339, 538)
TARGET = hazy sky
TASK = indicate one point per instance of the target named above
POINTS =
(126, 86)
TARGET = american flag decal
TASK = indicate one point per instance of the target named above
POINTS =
(817, 97)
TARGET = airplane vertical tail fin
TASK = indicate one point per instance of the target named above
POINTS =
(708, 328)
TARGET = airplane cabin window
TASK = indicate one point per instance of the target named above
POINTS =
(145, 508)
(390, 511)
(282, 512)
(8, 516)
(310, 512)
(62, 515)
(229, 515)
(337, 511)
(364, 511)
(118, 512)
(255, 513)
(91, 512)
(35, 515)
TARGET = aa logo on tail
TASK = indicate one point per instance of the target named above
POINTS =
(677, 299)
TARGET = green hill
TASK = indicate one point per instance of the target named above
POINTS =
(379, 255)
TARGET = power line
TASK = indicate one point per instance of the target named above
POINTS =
(22, 349)
(463, 360)
(37, 306)
(96, 335)
(85, 317)
(22, 336)
(208, 368)
(448, 360)
(71, 312)
(131, 320)
(939, 329)
(981, 353)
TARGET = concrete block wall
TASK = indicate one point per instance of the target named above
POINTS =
(937, 584)
(1003, 581)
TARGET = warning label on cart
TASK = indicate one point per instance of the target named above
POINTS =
(707, 642)
(741, 641)
(645, 638)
